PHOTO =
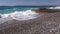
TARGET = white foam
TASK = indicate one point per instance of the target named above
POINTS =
(58, 7)
(24, 15)
(21, 15)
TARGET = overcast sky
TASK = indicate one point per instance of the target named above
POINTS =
(29, 2)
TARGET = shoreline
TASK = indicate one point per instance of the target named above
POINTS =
(33, 26)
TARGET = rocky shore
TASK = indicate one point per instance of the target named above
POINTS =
(45, 10)
(48, 23)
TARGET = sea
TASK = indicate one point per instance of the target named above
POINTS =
(11, 9)
(21, 12)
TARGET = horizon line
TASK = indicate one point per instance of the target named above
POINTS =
(29, 5)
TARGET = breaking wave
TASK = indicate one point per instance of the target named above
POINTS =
(21, 15)
(58, 7)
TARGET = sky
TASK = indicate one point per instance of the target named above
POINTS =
(29, 2)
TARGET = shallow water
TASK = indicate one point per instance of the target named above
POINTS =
(20, 12)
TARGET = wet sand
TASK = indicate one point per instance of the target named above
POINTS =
(49, 23)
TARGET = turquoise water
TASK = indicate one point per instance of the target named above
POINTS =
(10, 9)
(20, 12)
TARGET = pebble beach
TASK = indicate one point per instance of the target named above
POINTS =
(46, 23)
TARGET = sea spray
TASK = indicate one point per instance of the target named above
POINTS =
(24, 15)
(58, 7)
(21, 15)
(18, 13)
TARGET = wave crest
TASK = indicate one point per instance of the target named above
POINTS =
(58, 7)
(21, 15)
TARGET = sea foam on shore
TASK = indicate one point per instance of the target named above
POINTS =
(21, 15)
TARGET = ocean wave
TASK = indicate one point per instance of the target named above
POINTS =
(21, 15)
(58, 7)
